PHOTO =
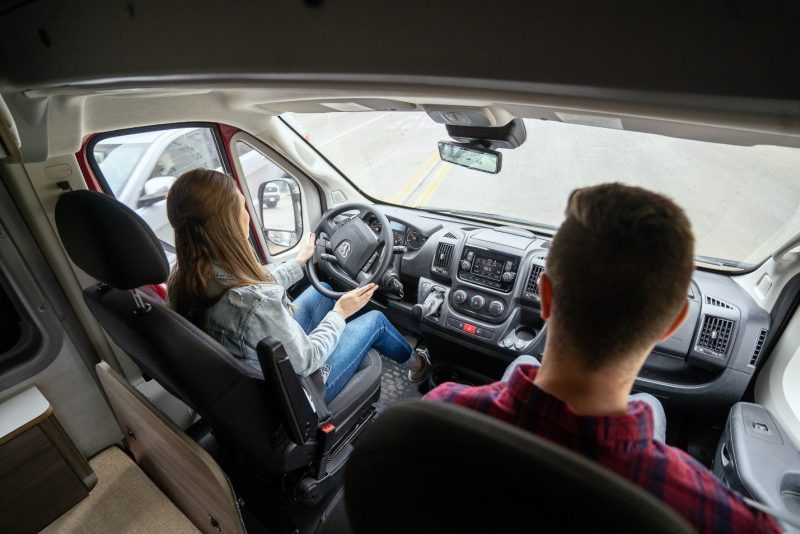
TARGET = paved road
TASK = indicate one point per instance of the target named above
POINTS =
(743, 201)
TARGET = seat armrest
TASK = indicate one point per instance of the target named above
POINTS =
(298, 411)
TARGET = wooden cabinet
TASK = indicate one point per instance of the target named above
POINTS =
(42, 473)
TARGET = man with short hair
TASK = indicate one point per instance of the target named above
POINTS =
(614, 286)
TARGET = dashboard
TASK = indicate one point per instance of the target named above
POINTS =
(487, 278)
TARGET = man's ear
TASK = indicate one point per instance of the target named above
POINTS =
(546, 294)
(676, 323)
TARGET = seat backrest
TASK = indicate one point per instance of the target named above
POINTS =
(181, 468)
(435, 467)
(234, 398)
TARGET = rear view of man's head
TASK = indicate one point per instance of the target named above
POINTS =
(617, 272)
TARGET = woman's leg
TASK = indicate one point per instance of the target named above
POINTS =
(311, 307)
(372, 329)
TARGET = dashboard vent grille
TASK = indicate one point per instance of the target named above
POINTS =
(450, 235)
(714, 336)
(759, 345)
(532, 286)
(444, 253)
(716, 302)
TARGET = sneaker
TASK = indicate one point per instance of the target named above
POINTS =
(422, 373)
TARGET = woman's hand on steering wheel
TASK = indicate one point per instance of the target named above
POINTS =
(306, 250)
(354, 254)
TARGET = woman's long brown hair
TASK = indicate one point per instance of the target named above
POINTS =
(203, 209)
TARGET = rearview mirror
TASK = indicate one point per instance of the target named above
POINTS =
(471, 157)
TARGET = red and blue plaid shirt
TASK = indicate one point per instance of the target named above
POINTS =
(623, 444)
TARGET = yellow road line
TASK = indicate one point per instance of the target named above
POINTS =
(415, 180)
(437, 180)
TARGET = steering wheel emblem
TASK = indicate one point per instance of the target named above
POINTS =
(344, 249)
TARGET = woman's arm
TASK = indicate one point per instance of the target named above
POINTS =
(290, 272)
(287, 273)
(306, 352)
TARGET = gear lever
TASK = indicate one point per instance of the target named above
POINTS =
(432, 304)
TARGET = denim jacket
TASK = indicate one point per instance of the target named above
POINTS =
(246, 315)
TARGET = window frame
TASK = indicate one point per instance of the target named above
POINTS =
(37, 348)
(96, 139)
(303, 182)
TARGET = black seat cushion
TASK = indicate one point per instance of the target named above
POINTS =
(362, 388)
(435, 467)
(109, 240)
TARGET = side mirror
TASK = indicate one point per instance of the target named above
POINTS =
(471, 157)
(155, 190)
(281, 212)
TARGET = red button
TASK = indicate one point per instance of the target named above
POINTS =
(470, 328)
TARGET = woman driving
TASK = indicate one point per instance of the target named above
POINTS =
(219, 285)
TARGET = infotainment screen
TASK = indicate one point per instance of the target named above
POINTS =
(487, 268)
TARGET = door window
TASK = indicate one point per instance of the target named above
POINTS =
(275, 196)
(140, 167)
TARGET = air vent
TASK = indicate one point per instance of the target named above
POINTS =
(759, 345)
(718, 303)
(444, 253)
(532, 286)
(714, 336)
(450, 235)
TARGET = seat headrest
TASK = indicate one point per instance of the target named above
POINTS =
(109, 241)
(463, 471)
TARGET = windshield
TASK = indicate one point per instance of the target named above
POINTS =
(742, 201)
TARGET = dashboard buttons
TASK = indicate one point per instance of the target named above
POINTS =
(460, 296)
(519, 344)
(508, 276)
(509, 265)
(470, 328)
(477, 302)
(496, 307)
(508, 342)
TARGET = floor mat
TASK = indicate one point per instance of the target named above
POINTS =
(123, 501)
(395, 385)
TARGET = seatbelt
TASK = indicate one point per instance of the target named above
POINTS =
(314, 393)
(167, 247)
(313, 387)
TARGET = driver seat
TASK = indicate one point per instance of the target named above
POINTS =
(272, 421)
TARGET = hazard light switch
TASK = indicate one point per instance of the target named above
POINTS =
(470, 328)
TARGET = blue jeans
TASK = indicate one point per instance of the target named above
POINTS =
(659, 417)
(371, 329)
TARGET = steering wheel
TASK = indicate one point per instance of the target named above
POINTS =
(357, 256)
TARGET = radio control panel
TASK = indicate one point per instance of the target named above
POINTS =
(488, 269)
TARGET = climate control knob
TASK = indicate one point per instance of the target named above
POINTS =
(508, 276)
(477, 302)
(496, 307)
(460, 296)
(465, 265)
